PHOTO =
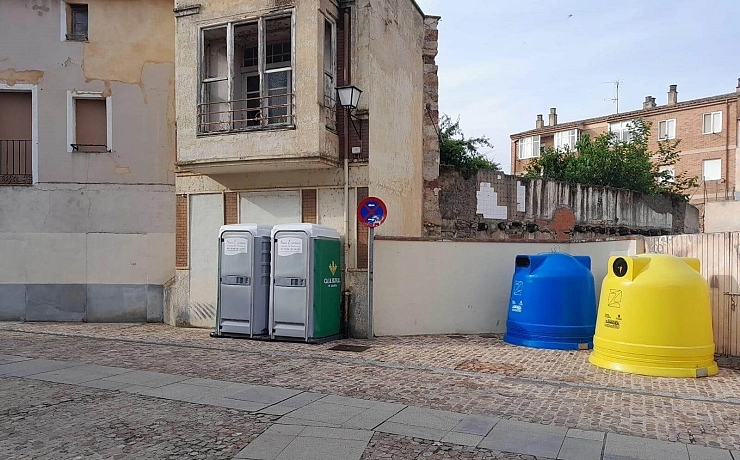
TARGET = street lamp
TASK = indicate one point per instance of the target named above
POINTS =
(349, 98)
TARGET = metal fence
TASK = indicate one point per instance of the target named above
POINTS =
(15, 162)
(246, 114)
(719, 254)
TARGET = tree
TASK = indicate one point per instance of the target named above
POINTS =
(607, 161)
(461, 152)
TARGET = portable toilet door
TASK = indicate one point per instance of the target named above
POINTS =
(244, 280)
(306, 282)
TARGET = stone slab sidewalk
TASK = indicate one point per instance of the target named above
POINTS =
(315, 426)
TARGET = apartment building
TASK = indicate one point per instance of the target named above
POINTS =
(86, 159)
(262, 138)
(707, 128)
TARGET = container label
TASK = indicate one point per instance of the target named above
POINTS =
(516, 308)
(234, 246)
(289, 246)
(613, 323)
(518, 286)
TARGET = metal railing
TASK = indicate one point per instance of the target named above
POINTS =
(246, 114)
(15, 162)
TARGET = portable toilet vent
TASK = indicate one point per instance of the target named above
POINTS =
(552, 303)
(654, 318)
(244, 280)
(306, 291)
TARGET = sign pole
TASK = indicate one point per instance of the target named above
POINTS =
(371, 212)
(370, 250)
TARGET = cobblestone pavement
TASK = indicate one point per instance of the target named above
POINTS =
(43, 420)
(472, 374)
(388, 446)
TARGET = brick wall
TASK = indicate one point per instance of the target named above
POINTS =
(363, 233)
(181, 231)
(695, 146)
(231, 208)
(309, 210)
(431, 218)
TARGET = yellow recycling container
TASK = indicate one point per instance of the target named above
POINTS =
(654, 318)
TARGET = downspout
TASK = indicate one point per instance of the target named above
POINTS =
(727, 148)
(347, 211)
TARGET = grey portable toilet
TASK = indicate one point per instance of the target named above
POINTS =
(244, 280)
(306, 292)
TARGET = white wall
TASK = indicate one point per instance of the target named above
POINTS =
(440, 287)
(722, 216)
(206, 217)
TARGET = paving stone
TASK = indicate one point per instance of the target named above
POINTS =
(476, 424)
(306, 448)
(7, 359)
(411, 431)
(210, 383)
(370, 418)
(580, 449)
(585, 434)
(264, 394)
(619, 446)
(147, 378)
(428, 418)
(79, 374)
(320, 411)
(525, 438)
(463, 439)
(336, 433)
(354, 402)
(105, 384)
(735, 454)
(33, 366)
(707, 453)
(288, 420)
(269, 444)
(292, 403)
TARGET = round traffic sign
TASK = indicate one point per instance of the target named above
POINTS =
(371, 212)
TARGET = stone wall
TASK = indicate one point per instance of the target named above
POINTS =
(430, 162)
(495, 206)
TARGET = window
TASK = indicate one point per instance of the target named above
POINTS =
(622, 130)
(529, 147)
(88, 122)
(670, 177)
(667, 130)
(247, 80)
(76, 22)
(330, 59)
(712, 123)
(16, 133)
(566, 140)
(711, 169)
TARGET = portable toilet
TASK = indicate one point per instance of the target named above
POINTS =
(654, 318)
(244, 280)
(306, 292)
(552, 303)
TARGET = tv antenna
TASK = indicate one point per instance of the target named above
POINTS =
(615, 99)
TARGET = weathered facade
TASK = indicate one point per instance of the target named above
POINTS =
(491, 205)
(707, 128)
(262, 139)
(87, 153)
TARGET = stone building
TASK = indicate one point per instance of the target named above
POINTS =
(261, 138)
(707, 128)
(87, 150)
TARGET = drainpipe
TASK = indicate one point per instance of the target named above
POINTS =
(347, 210)
(727, 148)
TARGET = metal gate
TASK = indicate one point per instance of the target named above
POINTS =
(719, 254)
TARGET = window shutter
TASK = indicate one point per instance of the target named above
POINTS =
(717, 122)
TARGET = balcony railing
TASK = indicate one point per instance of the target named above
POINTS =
(15, 162)
(246, 114)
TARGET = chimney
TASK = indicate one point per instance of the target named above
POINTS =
(553, 117)
(540, 123)
(737, 89)
(649, 103)
(673, 95)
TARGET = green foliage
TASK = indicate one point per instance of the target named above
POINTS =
(606, 161)
(460, 152)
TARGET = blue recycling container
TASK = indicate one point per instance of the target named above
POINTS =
(552, 303)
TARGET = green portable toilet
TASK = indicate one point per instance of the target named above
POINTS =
(306, 288)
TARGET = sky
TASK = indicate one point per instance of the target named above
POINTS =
(503, 62)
